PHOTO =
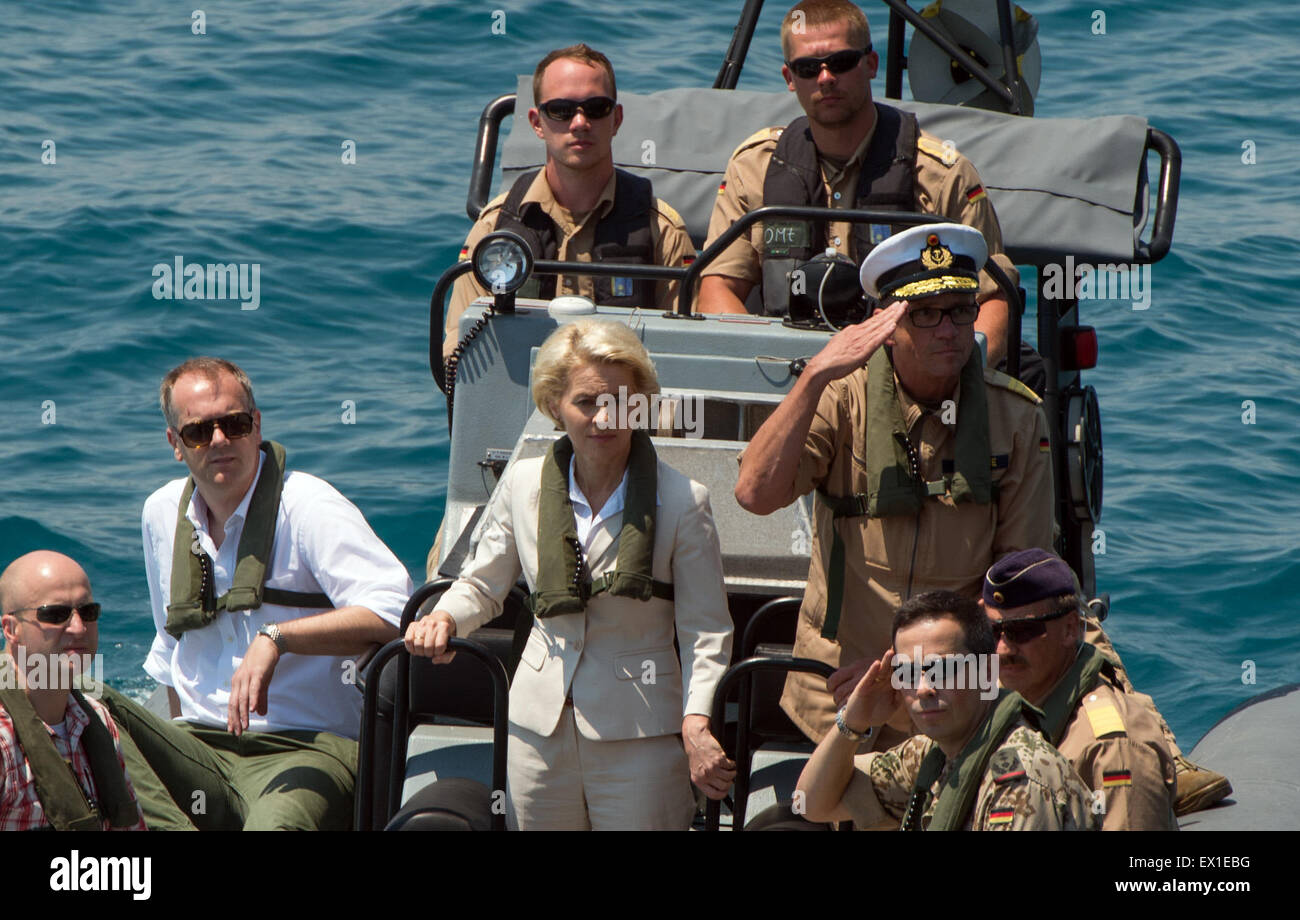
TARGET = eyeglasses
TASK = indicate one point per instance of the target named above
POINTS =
(234, 426)
(54, 614)
(930, 317)
(594, 107)
(1026, 629)
(807, 68)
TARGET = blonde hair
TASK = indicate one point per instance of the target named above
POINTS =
(817, 13)
(583, 342)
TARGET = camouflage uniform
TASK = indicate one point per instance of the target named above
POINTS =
(1028, 786)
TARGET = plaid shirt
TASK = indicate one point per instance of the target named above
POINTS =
(20, 809)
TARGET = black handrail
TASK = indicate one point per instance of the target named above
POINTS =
(738, 671)
(1171, 169)
(401, 713)
(738, 49)
(485, 153)
(685, 293)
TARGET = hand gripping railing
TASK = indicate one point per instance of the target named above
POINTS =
(401, 713)
(743, 670)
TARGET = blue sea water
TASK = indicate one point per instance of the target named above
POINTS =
(226, 147)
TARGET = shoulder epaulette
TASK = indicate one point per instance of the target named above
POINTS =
(928, 143)
(761, 136)
(999, 379)
(669, 212)
(1103, 716)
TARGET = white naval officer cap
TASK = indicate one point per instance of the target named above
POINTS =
(924, 261)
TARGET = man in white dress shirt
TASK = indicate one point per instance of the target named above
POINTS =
(265, 585)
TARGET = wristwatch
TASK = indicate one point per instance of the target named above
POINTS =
(849, 733)
(272, 632)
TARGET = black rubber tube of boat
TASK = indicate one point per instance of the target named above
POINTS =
(742, 671)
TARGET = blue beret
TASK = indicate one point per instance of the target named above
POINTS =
(1026, 577)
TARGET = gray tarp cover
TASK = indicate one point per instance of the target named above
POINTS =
(1060, 185)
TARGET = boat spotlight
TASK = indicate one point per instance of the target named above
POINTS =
(502, 263)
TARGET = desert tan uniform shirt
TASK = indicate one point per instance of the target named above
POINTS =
(1028, 786)
(946, 184)
(954, 544)
(1119, 750)
(577, 236)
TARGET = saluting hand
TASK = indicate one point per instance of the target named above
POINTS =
(851, 347)
(874, 700)
(428, 637)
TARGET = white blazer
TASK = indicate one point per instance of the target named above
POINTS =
(616, 659)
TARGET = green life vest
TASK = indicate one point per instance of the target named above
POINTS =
(957, 795)
(894, 483)
(564, 584)
(1064, 699)
(64, 801)
(193, 601)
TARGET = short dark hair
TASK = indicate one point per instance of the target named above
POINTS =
(209, 368)
(580, 52)
(935, 605)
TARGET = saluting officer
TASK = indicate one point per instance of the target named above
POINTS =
(927, 465)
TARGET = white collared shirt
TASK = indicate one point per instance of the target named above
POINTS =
(322, 544)
(583, 519)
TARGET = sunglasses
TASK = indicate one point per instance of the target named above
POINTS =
(593, 108)
(234, 426)
(54, 614)
(1026, 629)
(931, 317)
(908, 674)
(807, 68)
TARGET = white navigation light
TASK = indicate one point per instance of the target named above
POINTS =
(502, 262)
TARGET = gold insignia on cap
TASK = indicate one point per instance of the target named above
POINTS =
(997, 597)
(935, 255)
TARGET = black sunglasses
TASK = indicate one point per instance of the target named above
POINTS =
(840, 62)
(55, 614)
(931, 317)
(594, 108)
(1026, 629)
(234, 426)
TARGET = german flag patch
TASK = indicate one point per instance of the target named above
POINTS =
(976, 194)
(1044, 446)
(1113, 778)
(688, 260)
(1001, 817)
(722, 186)
(464, 254)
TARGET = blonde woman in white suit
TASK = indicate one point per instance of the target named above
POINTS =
(608, 727)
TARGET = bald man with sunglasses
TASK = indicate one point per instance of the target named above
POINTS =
(61, 760)
(266, 584)
(579, 207)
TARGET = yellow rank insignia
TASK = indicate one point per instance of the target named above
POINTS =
(1001, 817)
(1104, 717)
